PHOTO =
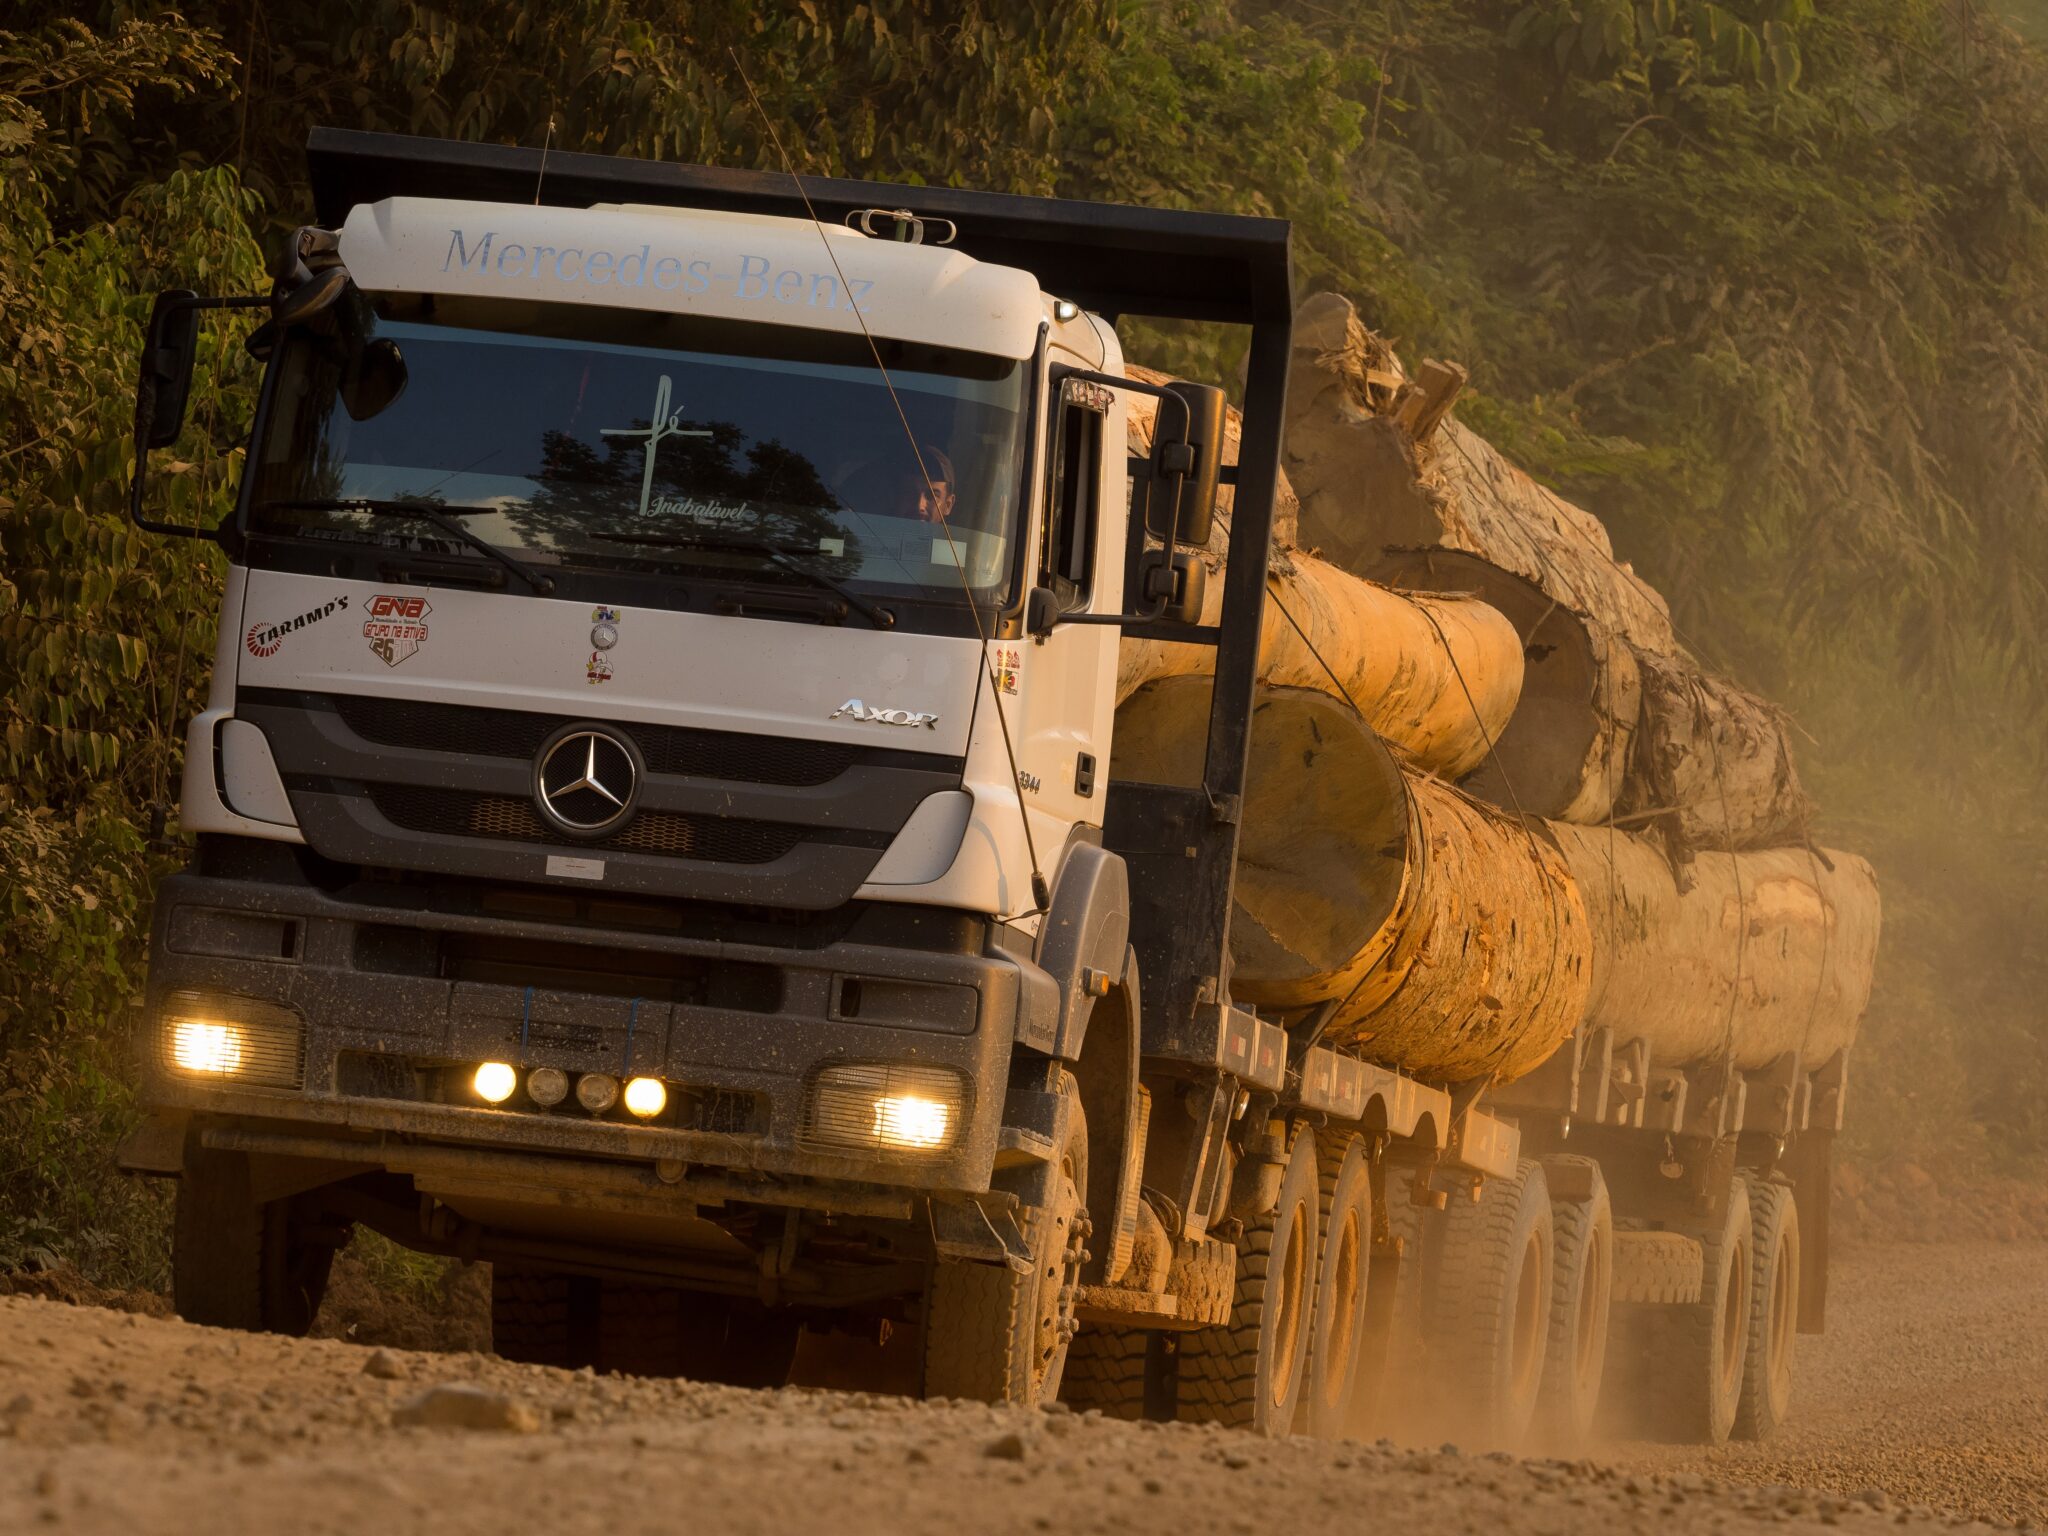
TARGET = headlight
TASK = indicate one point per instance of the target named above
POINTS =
(231, 1039)
(547, 1086)
(597, 1091)
(874, 1108)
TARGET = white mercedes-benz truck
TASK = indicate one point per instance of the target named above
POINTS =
(654, 830)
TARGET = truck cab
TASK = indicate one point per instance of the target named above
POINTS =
(654, 828)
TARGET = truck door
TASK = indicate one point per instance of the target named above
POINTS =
(1066, 680)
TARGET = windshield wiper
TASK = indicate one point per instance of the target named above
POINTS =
(775, 554)
(439, 516)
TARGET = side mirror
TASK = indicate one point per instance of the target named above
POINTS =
(1185, 474)
(169, 348)
(1180, 586)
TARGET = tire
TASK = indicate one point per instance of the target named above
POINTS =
(657, 1330)
(539, 1317)
(1337, 1336)
(1106, 1371)
(1489, 1306)
(1686, 1362)
(1773, 1309)
(1392, 1369)
(992, 1335)
(1581, 1295)
(236, 1262)
(1249, 1373)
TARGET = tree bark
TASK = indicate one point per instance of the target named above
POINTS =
(1712, 766)
(1761, 954)
(1451, 937)
(1438, 677)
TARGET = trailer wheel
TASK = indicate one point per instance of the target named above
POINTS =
(1773, 1309)
(1337, 1338)
(1489, 1306)
(995, 1336)
(1393, 1339)
(1248, 1373)
(1689, 1358)
(1106, 1371)
(237, 1262)
(1582, 1287)
(541, 1317)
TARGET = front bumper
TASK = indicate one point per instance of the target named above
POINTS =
(388, 979)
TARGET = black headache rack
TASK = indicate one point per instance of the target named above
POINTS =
(1180, 842)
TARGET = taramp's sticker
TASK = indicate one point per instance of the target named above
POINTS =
(598, 669)
(266, 639)
(396, 627)
(1009, 662)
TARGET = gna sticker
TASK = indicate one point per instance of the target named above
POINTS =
(267, 639)
(598, 669)
(396, 627)
(1009, 662)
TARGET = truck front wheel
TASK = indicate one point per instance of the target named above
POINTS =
(237, 1262)
(994, 1335)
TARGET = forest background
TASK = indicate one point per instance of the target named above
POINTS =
(1764, 283)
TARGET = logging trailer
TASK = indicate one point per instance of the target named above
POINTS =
(656, 834)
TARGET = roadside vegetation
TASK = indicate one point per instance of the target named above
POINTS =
(1763, 283)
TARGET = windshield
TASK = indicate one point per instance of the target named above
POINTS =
(581, 436)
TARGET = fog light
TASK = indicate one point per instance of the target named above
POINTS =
(646, 1097)
(239, 1039)
(597, 1091)
(547, 1086)
(495, 1081)
(909, 1121)
(885, 1109)
(199, 1047)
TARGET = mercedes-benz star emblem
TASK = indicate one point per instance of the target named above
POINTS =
(585, 780)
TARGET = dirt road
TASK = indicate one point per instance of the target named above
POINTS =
(117, 1423)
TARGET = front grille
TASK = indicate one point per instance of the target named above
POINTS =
(716, 840)
(731, 755)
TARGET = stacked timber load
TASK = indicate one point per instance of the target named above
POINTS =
(1617, 723)
(1493, 800)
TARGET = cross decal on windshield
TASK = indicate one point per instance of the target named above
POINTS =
(665, 424)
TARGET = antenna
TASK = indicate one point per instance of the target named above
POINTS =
(545, 144)
(1041, 893)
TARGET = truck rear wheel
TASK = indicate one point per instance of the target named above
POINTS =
(1688, 1359)
(996, 1336)
(1106, 1371)
(1489, 1304)
(541, 1317)
(657, 1330)
(1248, 1373)
(1582, 1287)
(237, 1262)
(1337, 1339)
(1773, 1309)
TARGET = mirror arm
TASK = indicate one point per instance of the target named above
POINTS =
(145, 408)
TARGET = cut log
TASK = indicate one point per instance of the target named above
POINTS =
(1437, 676)
(1713, 765)
(1143, 410)
(1765, 954)
(1451, 938)
(1367, 487)
(1565, 751)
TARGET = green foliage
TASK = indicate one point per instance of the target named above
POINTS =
(1764, 283)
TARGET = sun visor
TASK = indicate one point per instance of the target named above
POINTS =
(778, 271)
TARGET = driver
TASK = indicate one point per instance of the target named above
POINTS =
(894, 488)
